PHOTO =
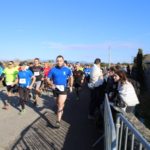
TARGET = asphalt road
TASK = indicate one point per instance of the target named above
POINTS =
(35, 129)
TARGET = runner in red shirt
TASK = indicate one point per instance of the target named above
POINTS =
(47, 68)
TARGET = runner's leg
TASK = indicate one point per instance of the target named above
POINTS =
(37, 92)
(26, 96)
(60, 104)
(7, 101)
(21, 95)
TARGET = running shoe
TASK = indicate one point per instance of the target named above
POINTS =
(6, 106)
(57, 125)
(22, 112)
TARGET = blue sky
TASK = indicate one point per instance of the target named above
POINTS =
(81, 30)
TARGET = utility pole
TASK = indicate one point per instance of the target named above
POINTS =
(109, 51)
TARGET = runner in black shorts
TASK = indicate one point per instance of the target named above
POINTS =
(38, 72)
(9, 74)
(57, 79)
(78, 78)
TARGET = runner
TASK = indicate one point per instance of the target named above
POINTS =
(81, 68)
(25, 80)
(30, 64)
(71, 66)
(37, 70)
(2, 78)
(65, 63)
(58, 83)
(47, 69)
(9, 75)
(87, 71)
(1, 69)
(78, 78)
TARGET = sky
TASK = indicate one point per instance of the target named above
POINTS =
(80, 30)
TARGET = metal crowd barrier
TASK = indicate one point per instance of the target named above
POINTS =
(123, 136)
(110, 131)
(128, 137)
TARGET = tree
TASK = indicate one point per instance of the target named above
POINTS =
(139, 65)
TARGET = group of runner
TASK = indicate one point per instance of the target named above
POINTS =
(32, 77)
(63, 77)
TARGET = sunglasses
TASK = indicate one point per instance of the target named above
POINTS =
(9, 64)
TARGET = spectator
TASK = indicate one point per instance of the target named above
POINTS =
(111, 85)
(126, 92)
(95, 85)
(129, 70)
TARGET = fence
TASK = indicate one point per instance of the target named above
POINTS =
(124, 135)
(110, 131)
(128, 137)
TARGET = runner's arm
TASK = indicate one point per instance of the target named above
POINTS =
(2, 76)
(16, 81)
(71, 80)
(83, 76)
(42, 73)
(33, 81)
(50, 82)
(50, 79)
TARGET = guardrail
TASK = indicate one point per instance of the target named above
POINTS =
(109, 128)
(110, 131)
(128, 137)
(124, 135)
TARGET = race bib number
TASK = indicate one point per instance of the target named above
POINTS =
(60, 87)
(9, 83)
(22, 81)
(36, 73)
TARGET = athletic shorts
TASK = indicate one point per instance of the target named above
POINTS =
(87, 78)
(57, 92)
(24, 93)
(12, 89)
(37, 84)
(77, 85)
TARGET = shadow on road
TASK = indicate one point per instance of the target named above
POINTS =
(76, 132)
(13, 100)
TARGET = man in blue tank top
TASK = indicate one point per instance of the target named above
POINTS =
(57, 79)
